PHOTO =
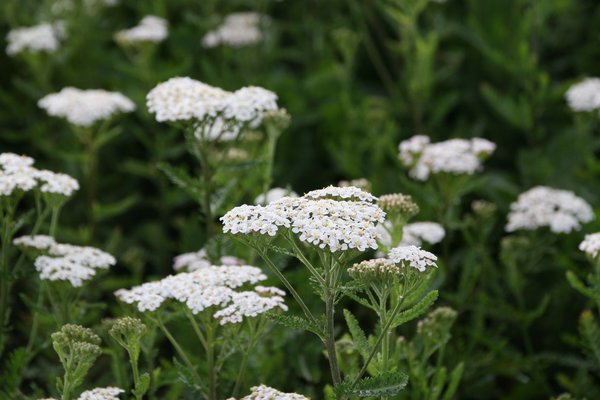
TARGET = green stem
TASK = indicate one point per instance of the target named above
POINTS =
(4, 274)
(181, 353)
(386, 327)
(330, 338)
(133, 360)
(210, 355)
(289, 287)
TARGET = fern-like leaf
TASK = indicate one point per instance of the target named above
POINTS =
(385, 384)
(358, 335)
(417, 310)
(296, 322)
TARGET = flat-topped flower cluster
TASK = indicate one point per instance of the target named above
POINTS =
(151, 29)
(394, 266)
(107, 393)
(195, 260)
(237, 30)
(264, 392)
(210, 288)
(335, 218)
(584, 95)
(44, 37)
(560, 210)
(591, 244)
(64, 262)
(454, 156)
(186, 99)
(85, 107)
(17, 173)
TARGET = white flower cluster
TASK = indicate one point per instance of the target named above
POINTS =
(199, 259)
(150, 29)
(316, 218)
(219, 111)
(419, 232)
(273, 195)
(65, 262)
(17, 173)
(454, 156)
(412, 256)
(591, 244)
(42, 37)
(264, 392)
(238, 29)
(85, 107)
(560, 210)
(108, 393)
(208, 287)
(585, 95)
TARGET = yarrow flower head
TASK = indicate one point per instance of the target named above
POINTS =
(215, 110)
(419, 232)
(264, 392)
(85, 107)
(375, 270)
(273, 195)
(320, 218)
(151, 29)
(199, 259)
(44, 37)
(454, 156)
(107, 393)
(412, 256)
(65, 262)
(591, 245)
(585, 95)
(238, 30)
(18, 174)
(209, 288)
(560, 210)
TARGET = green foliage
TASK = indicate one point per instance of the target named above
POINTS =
(385, 384)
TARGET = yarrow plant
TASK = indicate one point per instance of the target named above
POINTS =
(211, 297)
(214, 121)
(50, 190)
(237, 30)
(63, 269)
(559, 210)
(264, 392)
(332, 225)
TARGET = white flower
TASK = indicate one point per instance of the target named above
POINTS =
(17, 173)
(454, 156)
(199, 259)
(56, 183)
(264, 392)
(274, 194)
(316, 218)
(209, 287)
(183, 98)
(85, 107)
(585, 95)
(419, 232)
(108, 393)
(345, 193)
(412, 256)
(65, 262)
(250, 304)
(542, 206)
(38, 38)
(591, 244)
(238, 29)
(38, 242)
(249, 104)
(150, 29)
